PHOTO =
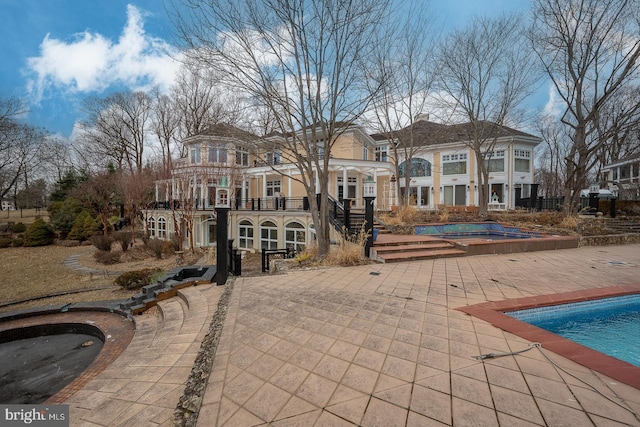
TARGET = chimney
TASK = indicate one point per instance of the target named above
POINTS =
(422, 117)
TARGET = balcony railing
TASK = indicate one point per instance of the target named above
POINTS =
(252, 204)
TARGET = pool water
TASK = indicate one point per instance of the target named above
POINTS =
(484, 236)
(607, 325)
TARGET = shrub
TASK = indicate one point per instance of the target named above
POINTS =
(19, 228)
(124, 238)
(18, 242)
(135, 279)
(156, 246)
(107, 257)
(39, 233)
(5, 242)
(101, 241)
(63, 215)
(84, 226)
(351, 249)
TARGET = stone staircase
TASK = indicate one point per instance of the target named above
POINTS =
(623, 226)
(413, 248)
(143, 386)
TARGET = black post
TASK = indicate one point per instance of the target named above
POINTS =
(518, 197)
(612, 208)
(347, 214)
(368, 217)
(594, 203)
(305, 203)
(222, 234)
(533, 197)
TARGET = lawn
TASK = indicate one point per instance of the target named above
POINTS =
(40, 271)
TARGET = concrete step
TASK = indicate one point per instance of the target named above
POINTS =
(173, 312)
(412, 247)
(420, 255)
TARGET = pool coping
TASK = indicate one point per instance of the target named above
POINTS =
(117, 329)
(616, 369)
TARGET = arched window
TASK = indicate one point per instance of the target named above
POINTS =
(419, 167)
(151, 226)
(245, 234)
(295, 236)
(268, 235)
(162, 228)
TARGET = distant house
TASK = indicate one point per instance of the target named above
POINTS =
(623, 178)
(7, 205)
(269, 206)
(444, 171)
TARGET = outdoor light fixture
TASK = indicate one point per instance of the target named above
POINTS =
(222, 194)
(369, 187)
(223, 205)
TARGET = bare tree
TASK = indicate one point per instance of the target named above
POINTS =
(19, 146)
(303, 60)
(117, 128)
(618, 127)
(486, 72)
(135, 193)
(55, 157)
(166, 123)
(401, 78)
(200, 100)
(591, 52)
(98, 194)
(550, 171)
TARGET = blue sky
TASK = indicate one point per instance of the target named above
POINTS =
(55, 53)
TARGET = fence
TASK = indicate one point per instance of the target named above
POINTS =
(269, 254)
(234, 260)
(549, 203)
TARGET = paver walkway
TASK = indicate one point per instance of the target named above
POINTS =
(382, 345)
(143, 386)
(375, 345)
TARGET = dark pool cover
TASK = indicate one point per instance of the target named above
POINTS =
(35, 368)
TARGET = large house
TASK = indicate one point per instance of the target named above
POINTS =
(269, 208)
(623, 178)
(444, 171)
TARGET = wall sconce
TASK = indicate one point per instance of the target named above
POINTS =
(431, 190)
(468, 187)
(441, 188)
(506, 186)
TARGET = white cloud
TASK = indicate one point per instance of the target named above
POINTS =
(553, 107)
(92, 63)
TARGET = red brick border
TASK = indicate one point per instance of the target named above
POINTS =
(118, 332)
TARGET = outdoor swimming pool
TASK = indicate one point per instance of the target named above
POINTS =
(477, 230)
(605, 325)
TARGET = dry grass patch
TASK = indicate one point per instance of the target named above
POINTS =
(40, 271)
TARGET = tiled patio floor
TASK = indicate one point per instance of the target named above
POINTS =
(383, 345)
(376, 345)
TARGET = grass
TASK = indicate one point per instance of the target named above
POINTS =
(39, 271)
(25, 216)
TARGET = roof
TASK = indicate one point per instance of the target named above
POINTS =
(224, 130)
(432, 133)
(627, 159)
